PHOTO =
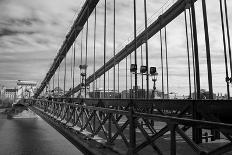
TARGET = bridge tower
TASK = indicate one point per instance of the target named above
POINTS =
(25, 89)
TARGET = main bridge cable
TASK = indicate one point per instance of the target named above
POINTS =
(228, 37)
(70, 38)
(225, 52)
(187, 45)
(176, 9)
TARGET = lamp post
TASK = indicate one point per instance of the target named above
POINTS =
(83, 69)
(154, 75)
(144, 71)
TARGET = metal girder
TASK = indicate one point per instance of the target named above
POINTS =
(174, 11)
(76, 28)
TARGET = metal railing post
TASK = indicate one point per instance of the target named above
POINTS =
(132, 129)
(172, 128)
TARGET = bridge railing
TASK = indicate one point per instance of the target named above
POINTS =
(132, 127)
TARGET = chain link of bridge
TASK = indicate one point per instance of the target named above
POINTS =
(107, 121)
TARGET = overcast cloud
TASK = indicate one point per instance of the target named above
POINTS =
(31, 32)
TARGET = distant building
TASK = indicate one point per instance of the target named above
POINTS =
(11, 94)
(8, 93)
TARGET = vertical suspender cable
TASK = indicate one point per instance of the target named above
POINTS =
(94, 52)
(65, 73)
(196, 133)
(187, 44)
(161, 57)
(130, 80)
(59, 81)
(108, 81)
(81, 80)
(135, 54)
(210, 83)
(86, 52)
(228, 37)
(126, 77)
(142, 65)
(225, 53)
(193, 55)
(118, 78)
(71, 65)
(146, 43)
(114, 36)
(104, 50)
(196, 51)
(74, 63)
(53, 83)
(166, 53)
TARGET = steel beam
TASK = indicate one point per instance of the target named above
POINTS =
(174, 11)
(76, 28)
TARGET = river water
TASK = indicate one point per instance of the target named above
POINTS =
(28, 134)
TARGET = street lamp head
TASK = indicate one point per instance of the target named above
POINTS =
(133, 68)
(143, 69)
(153, 70)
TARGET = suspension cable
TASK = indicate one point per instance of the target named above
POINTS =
(187, 45)
(59, 81)
(71, 71)
(74, 64)
(114, 36)
(166, 53)
(146, 43)
(118, 78)
(104, 50)
(65, 73)
(142, 65)
(228, 37)
(94, 51)
(86, 52)
(126, 77)
(161, 57)
(130, 79)
(53, 83)
(225, 52)
(193, 54)
(135, 53)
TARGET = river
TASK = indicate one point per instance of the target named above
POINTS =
(28, 134)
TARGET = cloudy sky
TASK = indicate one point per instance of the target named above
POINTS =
(31, 32)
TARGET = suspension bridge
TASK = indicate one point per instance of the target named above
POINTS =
(116, 107)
